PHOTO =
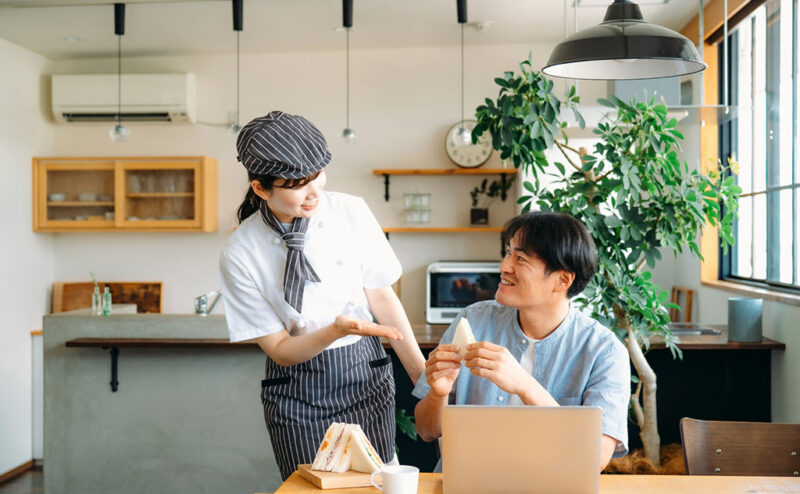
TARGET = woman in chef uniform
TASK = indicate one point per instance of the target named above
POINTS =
(302, 276)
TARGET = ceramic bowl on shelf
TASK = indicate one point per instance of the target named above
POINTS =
(87, 197)
(81, 218)
(133, 218)
(105, 198)
(57, 197)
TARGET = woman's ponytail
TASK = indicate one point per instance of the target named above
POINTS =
(249, 206)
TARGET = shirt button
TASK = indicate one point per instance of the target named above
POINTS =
(499, 398)
(523, 341)
(276, 240)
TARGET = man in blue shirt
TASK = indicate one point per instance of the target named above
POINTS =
(533, 347)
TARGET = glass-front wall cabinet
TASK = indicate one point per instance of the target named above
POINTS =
(155, 194)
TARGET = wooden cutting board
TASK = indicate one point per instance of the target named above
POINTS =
(332, 480)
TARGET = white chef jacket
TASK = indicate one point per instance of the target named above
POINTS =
(344, 244)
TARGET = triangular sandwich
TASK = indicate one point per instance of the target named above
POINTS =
(345, 447)
(364, 457)
(463, 336)
(330, 441)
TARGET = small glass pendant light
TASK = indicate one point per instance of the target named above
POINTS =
(119, 133)
(348, 134)
(462, 136)
(624, 46)
(238, 24)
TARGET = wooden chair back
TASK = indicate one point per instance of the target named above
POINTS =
(78, 295)
(740, 448)
(684, 298)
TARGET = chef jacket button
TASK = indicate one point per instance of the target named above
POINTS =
(320, 224)
(499, 398)
(339, 262)
(276, 240)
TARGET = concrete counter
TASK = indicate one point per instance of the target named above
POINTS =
(183, 419)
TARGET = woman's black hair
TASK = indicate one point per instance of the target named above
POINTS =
(252, 202)
(560, 241)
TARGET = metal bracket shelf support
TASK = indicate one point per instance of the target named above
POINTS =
(114, 358)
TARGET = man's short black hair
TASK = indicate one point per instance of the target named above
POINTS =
(559, 240)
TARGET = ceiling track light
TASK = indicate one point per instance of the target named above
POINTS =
(119, 133)
(238, 26)
(348, 134)
(624, 46)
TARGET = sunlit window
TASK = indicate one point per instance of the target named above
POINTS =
(763, 83)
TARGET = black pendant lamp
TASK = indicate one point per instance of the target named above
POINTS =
(238, 24)
(119, 133)
(624, 46)
(348, 134)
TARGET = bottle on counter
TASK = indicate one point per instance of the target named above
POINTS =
(97, 301)
(106, 301)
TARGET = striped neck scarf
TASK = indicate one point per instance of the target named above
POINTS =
(298, 270)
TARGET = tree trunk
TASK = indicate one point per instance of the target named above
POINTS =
(646, 411)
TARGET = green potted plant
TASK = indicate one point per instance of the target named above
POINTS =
(483, 196)
(632, 193)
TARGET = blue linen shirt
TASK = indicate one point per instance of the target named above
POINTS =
(580, 363)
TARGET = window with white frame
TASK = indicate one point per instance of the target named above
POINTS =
(763, 86)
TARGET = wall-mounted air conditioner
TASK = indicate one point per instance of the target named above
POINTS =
(145, 98)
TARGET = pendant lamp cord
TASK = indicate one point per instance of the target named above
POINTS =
(237, 77)
(701, 41)
(119, 79)
(347, 97)
(462, 74)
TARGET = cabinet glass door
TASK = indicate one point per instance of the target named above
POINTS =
(77, 196)
(158, 194)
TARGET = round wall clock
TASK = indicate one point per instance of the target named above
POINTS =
(460, 149)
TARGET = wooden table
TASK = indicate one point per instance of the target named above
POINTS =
(431, 483)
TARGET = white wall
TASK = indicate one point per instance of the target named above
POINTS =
(402, 103)
(27, 259)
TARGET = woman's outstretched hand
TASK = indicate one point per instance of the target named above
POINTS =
(345, 325)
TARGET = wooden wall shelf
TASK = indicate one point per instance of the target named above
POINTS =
(445, 171)
(388, 172)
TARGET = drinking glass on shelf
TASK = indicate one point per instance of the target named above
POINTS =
(149, 183)
(134, 185)
(184, 182)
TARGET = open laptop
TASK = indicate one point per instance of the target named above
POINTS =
(521, 449)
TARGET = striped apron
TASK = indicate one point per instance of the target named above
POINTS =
(351, 384)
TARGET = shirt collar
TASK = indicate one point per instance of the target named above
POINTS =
(553, 337)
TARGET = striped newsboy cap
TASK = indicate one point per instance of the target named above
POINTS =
(282, 145)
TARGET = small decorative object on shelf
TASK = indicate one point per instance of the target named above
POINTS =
(417, 208)
(97, 301)
(106, 301)
(483, 196)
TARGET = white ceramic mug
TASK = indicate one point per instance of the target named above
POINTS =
(397, 479)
